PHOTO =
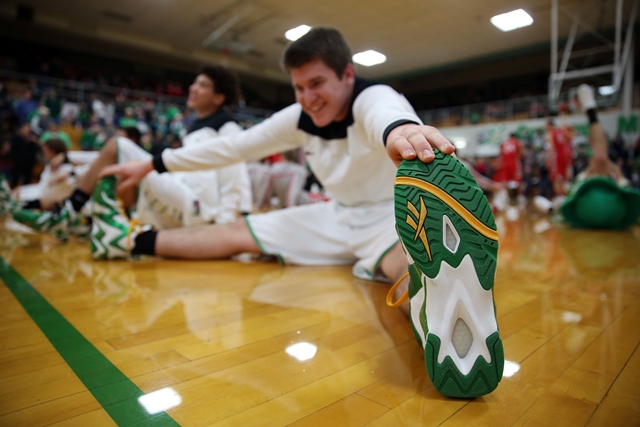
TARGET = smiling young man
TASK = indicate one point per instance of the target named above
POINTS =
(355, 133)
(166, 200)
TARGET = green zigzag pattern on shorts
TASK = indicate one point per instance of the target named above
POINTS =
(453, 178)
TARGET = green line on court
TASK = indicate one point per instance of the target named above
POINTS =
(117, 394)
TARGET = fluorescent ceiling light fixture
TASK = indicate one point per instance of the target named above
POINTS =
(369, 58)
(606, 90)
(302, 351)
(297, 32)
(512, 20)
(160, 400)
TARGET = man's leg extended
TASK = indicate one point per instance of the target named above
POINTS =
(205, 241)
(599, 163)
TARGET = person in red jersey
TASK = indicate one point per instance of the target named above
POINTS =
(559, 159)
(510, 161)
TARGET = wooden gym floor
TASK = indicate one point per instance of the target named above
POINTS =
(230, 343)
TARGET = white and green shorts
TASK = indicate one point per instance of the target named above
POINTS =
(328, 234)
(163, 200)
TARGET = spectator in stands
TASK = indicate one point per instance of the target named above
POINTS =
(120, 106)
(176, 127)
(581, 159)
(141, 121)
(36, 93)
(84, 116)
(25, 107)
(24, 152)
(54, 132)
(39, 122)
(99, 108)
(161, 126)
(622, 156)
(128, 121)
(92, 137)
(171, 112)
(54, 104)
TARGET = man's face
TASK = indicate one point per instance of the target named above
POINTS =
(202, 94)
(322, 95)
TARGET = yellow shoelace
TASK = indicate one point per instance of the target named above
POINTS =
(133, 223)
(404, 296)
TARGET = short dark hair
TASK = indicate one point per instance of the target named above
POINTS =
(56, 145)
(133, 134)
(324, 43)
(224, 82)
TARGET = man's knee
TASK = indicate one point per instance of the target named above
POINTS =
(242, 236)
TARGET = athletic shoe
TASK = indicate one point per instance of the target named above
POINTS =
(448, 232)
(586, 98)
(55, 222)
(112, 232)
(80, 227)
(8, 204)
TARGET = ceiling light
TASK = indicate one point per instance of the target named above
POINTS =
(369, 58)
(297, 32)
(606, 90)
(512, 20)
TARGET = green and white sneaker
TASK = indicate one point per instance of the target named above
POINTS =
(448, 232)
(80, 227)
(8, 204)
(112, 233)
(56, 222)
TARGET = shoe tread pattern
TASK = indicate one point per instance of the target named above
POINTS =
(448, 174)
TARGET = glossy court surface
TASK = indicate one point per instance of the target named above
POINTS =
(227, 343)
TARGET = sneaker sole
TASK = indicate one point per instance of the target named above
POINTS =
(449, 234)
